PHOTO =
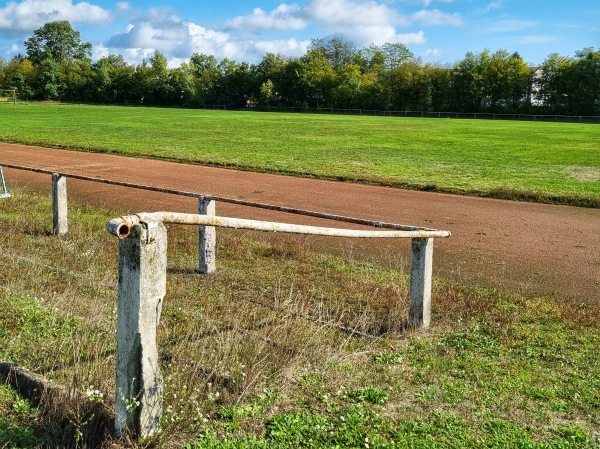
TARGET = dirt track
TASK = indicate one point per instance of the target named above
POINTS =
(535, 248)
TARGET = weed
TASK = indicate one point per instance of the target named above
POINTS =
(371, 395)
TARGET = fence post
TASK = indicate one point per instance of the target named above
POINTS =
(4, 193)
(420, 282)
(60, 221)
(142, 287)
(207, 237)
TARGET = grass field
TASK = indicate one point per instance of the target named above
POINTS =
(550, 162)
(254, 357)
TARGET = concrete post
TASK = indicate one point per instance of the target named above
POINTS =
(142, 287)
(60, 221)
(207, 238)
(421, 268)
(4, 193)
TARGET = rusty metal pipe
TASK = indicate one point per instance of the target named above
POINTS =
(121, 227)
(285, 209)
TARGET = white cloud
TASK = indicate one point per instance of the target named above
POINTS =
(362, 22)
(28, 15)
(284, 17)
(172, 36)
(351, 13)
(123, 6)
(436, 17)
(289, 47)
(178, 39)
(410, 38)
(432, 53)
(491, 7)
(99, 51)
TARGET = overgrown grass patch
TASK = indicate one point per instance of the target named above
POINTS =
(17, 421)
(285, 347)
(532, 161)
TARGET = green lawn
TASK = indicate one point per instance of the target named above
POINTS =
(540, 161)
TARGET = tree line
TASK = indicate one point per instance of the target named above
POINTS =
(333, 73)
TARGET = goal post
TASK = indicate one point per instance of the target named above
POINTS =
(8, 96)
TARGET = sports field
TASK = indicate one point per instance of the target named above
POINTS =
(258, 354)
(558, 162)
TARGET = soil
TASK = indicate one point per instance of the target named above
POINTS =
(536, 249)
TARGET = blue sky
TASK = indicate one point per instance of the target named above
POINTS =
(440, 31)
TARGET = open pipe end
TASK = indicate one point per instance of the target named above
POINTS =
(120, 227)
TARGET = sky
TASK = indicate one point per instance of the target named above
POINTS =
(438, 31)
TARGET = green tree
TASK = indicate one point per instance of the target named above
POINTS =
(267, 92)
(468, 82)
(348, 89)
(19, 74)
(318, 78)
(57, 41)
(554, 84)
(585, 80)
(291, 88)
(519, 85)
(46, 83)
(396, 54)
(411, 89)
(151, 81)
(158, 82)
(206, 77)
(338, 51)
(236, 85)
(440, 81)
(75, 81)
(182, 88)
(113, 79)
(273, 68)
(374, 58)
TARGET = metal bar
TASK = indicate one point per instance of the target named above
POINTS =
(308, 213)
(290, 210)
(106, 181)
(121, 227)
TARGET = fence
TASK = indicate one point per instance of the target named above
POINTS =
(427, 114)
(143, 270)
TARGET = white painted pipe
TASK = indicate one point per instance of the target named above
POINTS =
(121, 227)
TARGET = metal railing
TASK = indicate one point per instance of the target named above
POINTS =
(143, 285)
(143, 272)
(200, 196)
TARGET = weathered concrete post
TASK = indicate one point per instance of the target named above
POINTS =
(207, 237)
(60, 221)
(142, 287)
(421, 268)
(4, 193)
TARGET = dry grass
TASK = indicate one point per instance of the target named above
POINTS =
(281, 329)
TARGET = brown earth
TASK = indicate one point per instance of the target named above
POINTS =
(533, 248)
